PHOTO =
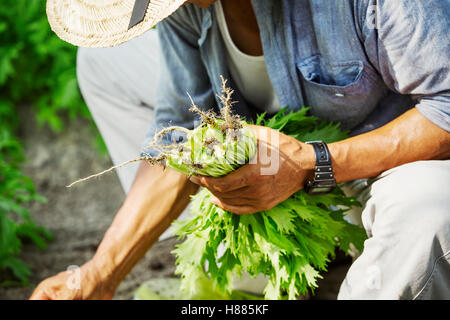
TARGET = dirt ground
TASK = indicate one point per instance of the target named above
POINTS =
(78, 217)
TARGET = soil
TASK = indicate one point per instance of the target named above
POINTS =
(78, 217)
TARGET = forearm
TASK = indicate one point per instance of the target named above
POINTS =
(408, 138)
(411, 137)
(156, 198)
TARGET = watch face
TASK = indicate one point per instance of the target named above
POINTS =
(320, 190)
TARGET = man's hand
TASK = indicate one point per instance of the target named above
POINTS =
(279, 170)
(156, 198)
(83, 284)
(410, 137)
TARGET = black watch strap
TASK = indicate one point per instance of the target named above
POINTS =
(323, 181)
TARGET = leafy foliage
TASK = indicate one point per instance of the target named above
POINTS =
(35, 65)
(290, 243)
(15, 221)
(36, 69)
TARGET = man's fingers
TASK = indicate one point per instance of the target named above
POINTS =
(242, 193)
(245, 209)
(39, 295)
(196, 180)
(233, 181)
(236, 201)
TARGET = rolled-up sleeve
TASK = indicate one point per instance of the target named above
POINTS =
(408, 41)
(182, 72)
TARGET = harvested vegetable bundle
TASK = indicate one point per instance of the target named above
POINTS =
(290, 243)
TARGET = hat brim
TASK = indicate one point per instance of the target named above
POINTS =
(103, 23)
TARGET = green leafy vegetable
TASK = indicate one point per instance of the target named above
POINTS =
(37, 69)
(290, 244)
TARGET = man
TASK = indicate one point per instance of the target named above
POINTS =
(381, 68)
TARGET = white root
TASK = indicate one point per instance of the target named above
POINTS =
(231, 122)
(105, 171)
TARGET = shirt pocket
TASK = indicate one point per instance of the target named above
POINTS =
(342, 91)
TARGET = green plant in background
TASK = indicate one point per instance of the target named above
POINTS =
(37, 69)
(35, 65)
(15, 221)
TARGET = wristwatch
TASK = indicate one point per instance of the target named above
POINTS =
(323, 181)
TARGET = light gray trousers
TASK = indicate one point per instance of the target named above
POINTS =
(406, 209)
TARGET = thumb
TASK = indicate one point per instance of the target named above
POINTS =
(39, 294)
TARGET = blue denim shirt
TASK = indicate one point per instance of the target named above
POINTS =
(358, 62)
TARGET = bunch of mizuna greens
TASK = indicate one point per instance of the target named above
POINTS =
(290, 244)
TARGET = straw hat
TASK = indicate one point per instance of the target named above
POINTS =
(106, 23)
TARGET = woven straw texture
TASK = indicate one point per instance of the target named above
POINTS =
(103, 23)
